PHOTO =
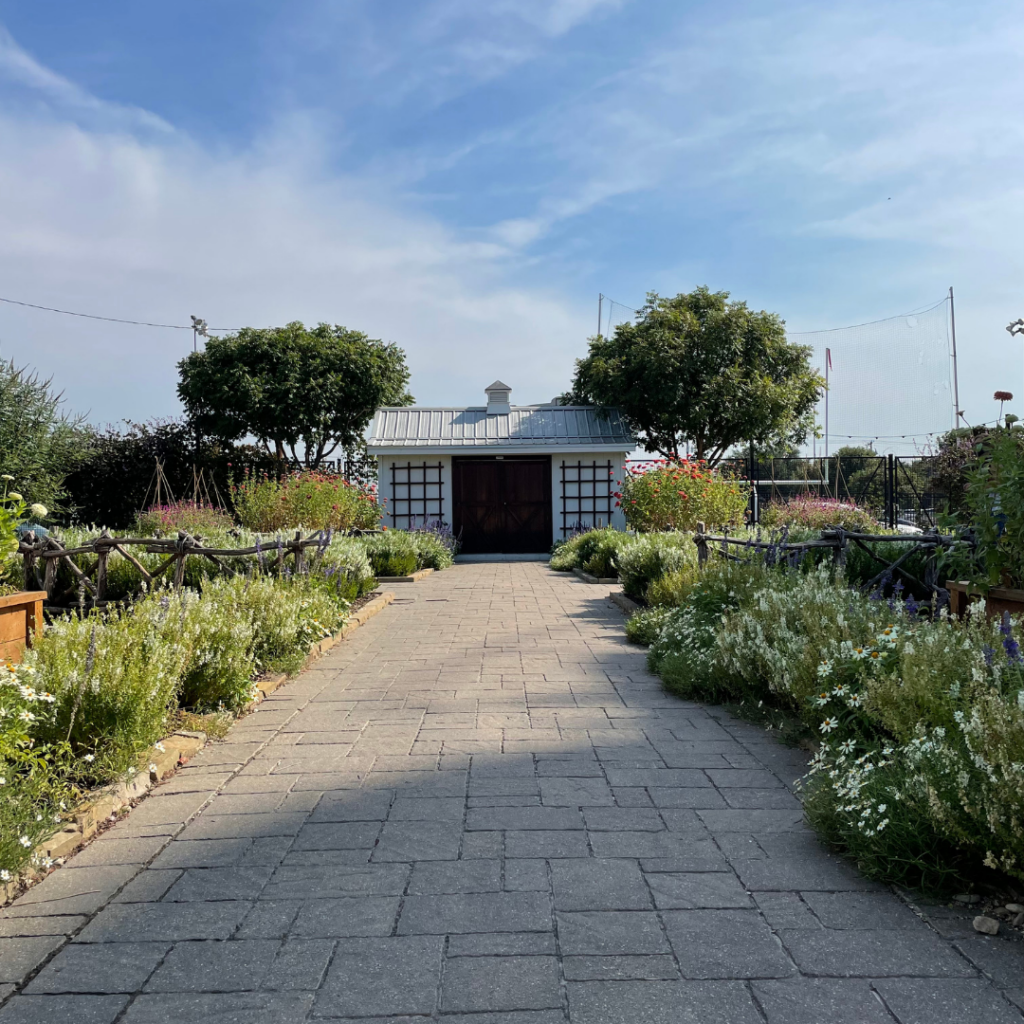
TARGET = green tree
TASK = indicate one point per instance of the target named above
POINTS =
(290, 386)
(40, 443)
(702, 369)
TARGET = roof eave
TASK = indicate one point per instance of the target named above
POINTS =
(553, 447)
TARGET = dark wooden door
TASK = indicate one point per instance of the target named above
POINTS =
(502, 506)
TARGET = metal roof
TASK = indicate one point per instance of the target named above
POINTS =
(525, 426)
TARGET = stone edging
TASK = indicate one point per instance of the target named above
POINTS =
(414, 577)
(587, 578)
(103, 803)
(627, 604)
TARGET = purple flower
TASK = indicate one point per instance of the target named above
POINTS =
(989, 653)
(1010, 644)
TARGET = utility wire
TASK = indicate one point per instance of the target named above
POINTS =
(111, 319)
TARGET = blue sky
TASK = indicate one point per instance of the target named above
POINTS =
(464, 178)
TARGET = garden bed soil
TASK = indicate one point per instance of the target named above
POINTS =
(997, 599)
(21, 618)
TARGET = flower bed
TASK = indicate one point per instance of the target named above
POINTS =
(810, 512)
(919, 722)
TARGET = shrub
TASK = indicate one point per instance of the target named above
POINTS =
(33, 789)
(312, 500)
(113, 677)
(221, 640)
(193, 517)
(115, 479)
(678, 494)
(593, 551)
(995, 505)
(815, 513)
(289, 616)
(245, 624)
(435, 547)
(345, 569)
(686, 653)
(392, 553)
(673, 589)
(944, 793)
(644, 559)
(643, 627)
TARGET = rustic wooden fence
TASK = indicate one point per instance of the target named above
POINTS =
(839, 541)
(42, 555)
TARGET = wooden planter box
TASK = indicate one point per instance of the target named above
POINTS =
(21, 619)
(997, 600)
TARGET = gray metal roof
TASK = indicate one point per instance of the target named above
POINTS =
(526, 426)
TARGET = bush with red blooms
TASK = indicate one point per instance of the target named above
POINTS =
(316, 501)
(676, 494)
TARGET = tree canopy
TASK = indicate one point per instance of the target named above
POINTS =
(292, 387)
(40, 443)
(698, 368)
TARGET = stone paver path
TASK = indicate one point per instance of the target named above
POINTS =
(482, 809)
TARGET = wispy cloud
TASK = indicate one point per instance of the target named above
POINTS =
(19, 67)
(111, 224)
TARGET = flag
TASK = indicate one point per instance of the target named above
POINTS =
(828, 357)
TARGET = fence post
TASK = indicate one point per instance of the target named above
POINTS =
(50, 570)
(102, 554)
(891, 472)
(300, 559)
(179, 567)
(702, 545)
(29, 559)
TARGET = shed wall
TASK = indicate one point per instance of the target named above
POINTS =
(578, 482)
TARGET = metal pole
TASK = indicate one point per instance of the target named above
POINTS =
(827, 361)
(956, 381)
(753, 488)
(600, 300)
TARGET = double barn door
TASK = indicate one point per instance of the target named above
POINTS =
(502, 505)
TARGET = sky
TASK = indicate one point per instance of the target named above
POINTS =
(464, 179)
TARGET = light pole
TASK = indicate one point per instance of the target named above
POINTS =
(198, 330)
(1016, 327)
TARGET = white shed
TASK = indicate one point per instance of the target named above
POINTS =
(507, 478)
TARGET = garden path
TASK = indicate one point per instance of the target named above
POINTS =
(482, 809)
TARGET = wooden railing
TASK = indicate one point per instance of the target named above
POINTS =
(48, 552)
(838, 541)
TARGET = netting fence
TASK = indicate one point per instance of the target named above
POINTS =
(890, 382)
